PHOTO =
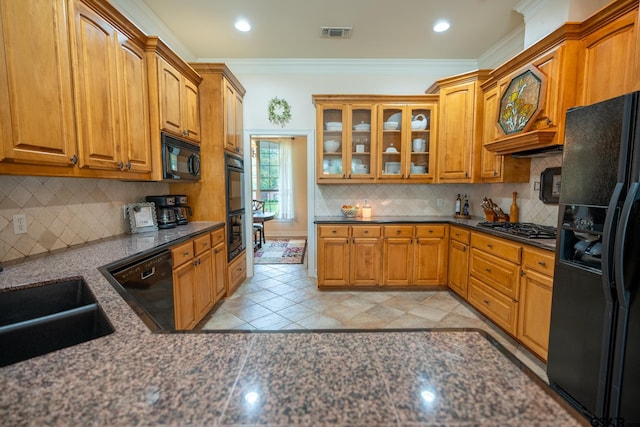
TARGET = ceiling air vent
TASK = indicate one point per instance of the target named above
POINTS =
(335, 32)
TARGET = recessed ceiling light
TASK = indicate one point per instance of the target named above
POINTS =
(441, 26)
(243, 25)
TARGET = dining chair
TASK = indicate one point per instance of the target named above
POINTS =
(258, 228)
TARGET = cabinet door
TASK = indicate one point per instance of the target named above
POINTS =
(534, 317)
(184, 278)
(392, 142)
(491, 165)
(458, 267)
(36, 100)
(134, 116)
(219, 264)
(191, 111)
(397, 261)
(239, 115)
(366, 254)
(230, 133)
(333, 261)
(420, 159)
(204, 292)
(170, 82)
(607, 60)
(97, 105)
(361, 137)
(332, 151)
(456, 132)
(431, 255)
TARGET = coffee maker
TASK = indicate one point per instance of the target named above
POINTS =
(165, 210)
(182, 209)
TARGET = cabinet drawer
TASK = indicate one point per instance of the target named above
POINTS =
(182, 253)
(460, 235)
(539, 260)
(333, 231)
(398, 231)
(217, 237)
(497, 247)
(365, 231)
(500, 309)
(202, 243)
(495, 272)
(431, 230)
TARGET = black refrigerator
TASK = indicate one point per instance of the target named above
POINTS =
(594, 341)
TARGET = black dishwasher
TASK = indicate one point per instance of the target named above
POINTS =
(148, 284)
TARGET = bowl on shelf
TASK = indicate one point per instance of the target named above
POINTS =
(331, 146)
(362, 126)
(349, 212)
(333, 125)
(390, 125)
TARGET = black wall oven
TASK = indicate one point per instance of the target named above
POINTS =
(234, 172)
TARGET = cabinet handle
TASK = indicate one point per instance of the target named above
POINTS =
(464, 249)
(334, 231)
(488, 270)
(186, 253)
(495, 173)
(457, 234)
(522, 273)
(430, 231)
(347, 241)
(398, 231)
(366, 231)
(486, 301)
(74, 159)
(121, 165)
(349, 176)
(489, 245)
(129, 165)
(344, 176)
(542, 263)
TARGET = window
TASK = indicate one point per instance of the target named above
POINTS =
(271, 175)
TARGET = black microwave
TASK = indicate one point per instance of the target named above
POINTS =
(180, 160)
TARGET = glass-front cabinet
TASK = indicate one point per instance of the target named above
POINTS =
(406, 146)
(374, 138)
(346, 143)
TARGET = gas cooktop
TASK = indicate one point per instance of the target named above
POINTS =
(523, 229)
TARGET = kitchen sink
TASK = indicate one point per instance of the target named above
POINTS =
(40, 318)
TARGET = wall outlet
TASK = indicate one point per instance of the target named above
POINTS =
(440, 202)
(20, 224)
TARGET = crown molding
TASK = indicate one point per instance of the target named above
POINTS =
(344, 66)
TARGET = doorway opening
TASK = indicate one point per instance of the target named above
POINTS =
(279, 180)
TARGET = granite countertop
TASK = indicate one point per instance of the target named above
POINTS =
(549, 244)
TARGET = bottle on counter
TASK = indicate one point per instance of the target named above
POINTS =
(366, 209)
(458, 205)
(514, 211)
(465, 208)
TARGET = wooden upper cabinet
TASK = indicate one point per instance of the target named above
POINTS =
(36, 95)
(607, 60)
(460, 127)
(134, 104)
(493, 167)
(96, 89)
(233, 120)
(111, 95)
(179, 105)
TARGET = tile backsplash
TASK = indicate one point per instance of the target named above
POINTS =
(62, 212)
(401, 200)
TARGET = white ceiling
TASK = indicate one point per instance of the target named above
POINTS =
(382, 29)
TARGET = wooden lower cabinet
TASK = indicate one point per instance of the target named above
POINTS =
(198, 274)
(502, 310)
(431, 255)
(237, 272)
(459, 260)
(389, 255)
(536, 288)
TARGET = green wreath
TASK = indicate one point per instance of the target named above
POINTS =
(279, 111)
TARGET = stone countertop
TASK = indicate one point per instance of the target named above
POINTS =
(548, 244)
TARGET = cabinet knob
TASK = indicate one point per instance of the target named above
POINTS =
(398, 231)
(128, 165)
(542, 263)
(334, 231)
(495, 173)
(486, 301)
(488, 270)
(121, 165)
(489, 245)
(186, 253)
(74, 159)
(430, 231)
(464, 249)
(366, 231)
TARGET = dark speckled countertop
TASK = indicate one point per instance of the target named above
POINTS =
(136, 377)
(549, 244)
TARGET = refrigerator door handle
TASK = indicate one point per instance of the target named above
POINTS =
(608, 241)
(618, 253)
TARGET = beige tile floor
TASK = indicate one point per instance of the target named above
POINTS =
(282, 297)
